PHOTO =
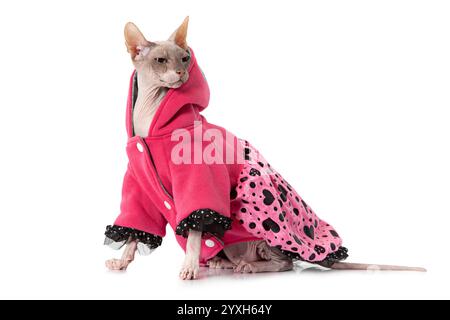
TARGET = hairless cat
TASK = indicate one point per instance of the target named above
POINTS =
(162, 66)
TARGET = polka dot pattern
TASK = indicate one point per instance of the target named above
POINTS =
(268, 207)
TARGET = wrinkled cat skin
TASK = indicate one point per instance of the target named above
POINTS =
(160, 65)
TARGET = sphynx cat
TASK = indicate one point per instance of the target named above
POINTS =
(162, 65)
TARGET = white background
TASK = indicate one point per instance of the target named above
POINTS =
(349, 100)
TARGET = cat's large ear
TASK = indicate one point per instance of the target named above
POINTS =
(135, 40)
(179, 36)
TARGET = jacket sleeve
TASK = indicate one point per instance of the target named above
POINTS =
(139, 219)
(201, 195)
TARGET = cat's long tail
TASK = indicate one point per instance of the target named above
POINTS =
(363, 266)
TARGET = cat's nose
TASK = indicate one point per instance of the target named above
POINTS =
(180, 72)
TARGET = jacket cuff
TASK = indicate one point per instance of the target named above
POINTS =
(116, 237)
(206, 221)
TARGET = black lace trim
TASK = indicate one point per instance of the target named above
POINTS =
(339, 255)
(205, 220)
(121, 235)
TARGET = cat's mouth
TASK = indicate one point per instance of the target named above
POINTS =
(174, 84)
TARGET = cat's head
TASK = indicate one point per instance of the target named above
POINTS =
(164, 63)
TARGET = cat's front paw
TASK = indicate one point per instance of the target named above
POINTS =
(190, 270)
(117, 264)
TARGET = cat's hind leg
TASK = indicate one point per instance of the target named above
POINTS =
(127, 257)
(264, 266)
(220, 263)
(270, 260)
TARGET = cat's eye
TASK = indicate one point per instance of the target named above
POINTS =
(185, 59)
(161, 60)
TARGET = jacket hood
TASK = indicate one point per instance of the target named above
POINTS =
(179, 108)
